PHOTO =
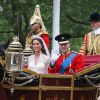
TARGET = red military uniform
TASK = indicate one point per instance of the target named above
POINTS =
(43, 34)
(76, 64)
(37, 27)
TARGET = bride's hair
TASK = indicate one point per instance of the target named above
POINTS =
(42, 49)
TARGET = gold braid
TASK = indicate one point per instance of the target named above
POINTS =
(29, 38)
(97, 44)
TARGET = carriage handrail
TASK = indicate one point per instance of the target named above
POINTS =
(88, 79)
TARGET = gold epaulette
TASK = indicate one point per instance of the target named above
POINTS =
(28, 40)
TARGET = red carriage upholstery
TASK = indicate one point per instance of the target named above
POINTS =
(92, 65)
(92, 59)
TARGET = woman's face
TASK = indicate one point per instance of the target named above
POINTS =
(64, 47)
(36, 45)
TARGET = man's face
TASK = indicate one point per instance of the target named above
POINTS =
(35, 27)
(95, 24)
(64, 47)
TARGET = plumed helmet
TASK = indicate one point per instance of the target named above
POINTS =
(36, 18)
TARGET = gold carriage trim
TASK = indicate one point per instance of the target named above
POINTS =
(88, 69)
(52, 86)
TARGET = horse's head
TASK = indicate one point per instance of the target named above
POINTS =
(3, 47)
(2, 56)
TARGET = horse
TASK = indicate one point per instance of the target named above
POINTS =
(3, 47)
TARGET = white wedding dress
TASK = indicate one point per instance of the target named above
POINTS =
(41, 67)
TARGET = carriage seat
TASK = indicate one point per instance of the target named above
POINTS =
(92, 65)
(91, 59)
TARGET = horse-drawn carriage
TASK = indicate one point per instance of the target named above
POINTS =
(55, 87)
(33, 86)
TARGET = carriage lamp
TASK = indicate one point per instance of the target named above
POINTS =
(25, 55)
(14, 56)
(13, 59)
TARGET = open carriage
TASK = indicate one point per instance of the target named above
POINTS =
(59, 87)
(55, 86)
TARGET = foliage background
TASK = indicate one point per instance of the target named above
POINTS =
(14, 19)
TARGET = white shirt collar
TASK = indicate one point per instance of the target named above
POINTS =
(97, 31)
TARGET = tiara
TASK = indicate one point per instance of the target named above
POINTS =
(36, 36)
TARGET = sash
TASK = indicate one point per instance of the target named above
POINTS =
(66, 62)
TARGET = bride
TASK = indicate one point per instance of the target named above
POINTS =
(40, 60)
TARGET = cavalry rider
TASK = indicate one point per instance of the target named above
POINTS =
(37, 27)
(91, 43)
(66, 62)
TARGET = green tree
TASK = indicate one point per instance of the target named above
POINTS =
(74, 14)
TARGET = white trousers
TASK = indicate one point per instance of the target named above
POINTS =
(98, 98)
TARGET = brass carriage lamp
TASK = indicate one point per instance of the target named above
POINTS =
(14, 56)
(25, 55)
(13, 59)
